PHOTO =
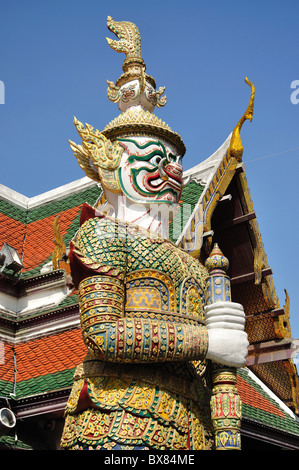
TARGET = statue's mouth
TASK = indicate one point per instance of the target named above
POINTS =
(170, 175)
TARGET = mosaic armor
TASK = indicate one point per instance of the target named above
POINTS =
(144, 382)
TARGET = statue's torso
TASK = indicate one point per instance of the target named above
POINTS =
(161, 403)
(156, 272)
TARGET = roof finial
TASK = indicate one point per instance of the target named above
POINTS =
(236, 147)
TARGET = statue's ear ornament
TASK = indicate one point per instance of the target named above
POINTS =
(97, 156)
(113, 92)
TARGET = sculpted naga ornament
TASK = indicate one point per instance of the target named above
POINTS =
(146, 381)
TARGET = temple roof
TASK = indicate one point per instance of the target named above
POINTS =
(26, 224)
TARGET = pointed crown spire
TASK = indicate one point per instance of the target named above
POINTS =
(134, 67)
(135, 91)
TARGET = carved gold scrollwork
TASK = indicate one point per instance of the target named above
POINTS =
(97, 156)
(113, 92)
(161, 100)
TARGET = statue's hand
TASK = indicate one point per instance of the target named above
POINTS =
(228, 343)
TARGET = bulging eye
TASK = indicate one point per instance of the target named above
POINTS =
(156, 160)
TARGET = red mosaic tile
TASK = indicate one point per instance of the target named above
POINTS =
(39, 244)
(46, 355)
(250, 396)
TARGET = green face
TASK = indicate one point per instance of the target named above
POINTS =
(150, 171)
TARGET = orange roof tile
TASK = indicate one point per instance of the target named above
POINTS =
(7, 368)
(45, 355)
(12, 232)
(250, 396)
(39, 244)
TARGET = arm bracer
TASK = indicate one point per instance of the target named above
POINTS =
(113, 337)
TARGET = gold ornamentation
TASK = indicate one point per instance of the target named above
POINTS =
(236, 147)
(161, 100)
(129, 38)
(194, 303)
(137, 121)
(134, 66)
(59, 256)
(226, 410)
(113, 92)
(130, 412)
(99, 266)
(97, 156)
(73, 399)
(285, 324)
(99, 294)
(149, 287)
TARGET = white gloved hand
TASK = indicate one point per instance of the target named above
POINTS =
(228, 343)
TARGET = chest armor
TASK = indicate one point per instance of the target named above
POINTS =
(164, 277)
(161, 280)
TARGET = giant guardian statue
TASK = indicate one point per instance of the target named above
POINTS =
(163, 337)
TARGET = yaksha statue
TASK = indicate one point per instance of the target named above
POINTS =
(146, 382)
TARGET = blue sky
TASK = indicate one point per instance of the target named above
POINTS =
(55, 62)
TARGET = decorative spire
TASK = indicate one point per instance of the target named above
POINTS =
(129, 42)
(218, 283)
(134, 85)
(135, 92)
(216, 261)
(226, 410)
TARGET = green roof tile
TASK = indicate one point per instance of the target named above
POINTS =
(279, 421)
(190, 196)
(45, 383)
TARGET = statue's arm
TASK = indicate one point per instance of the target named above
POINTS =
(113, 337)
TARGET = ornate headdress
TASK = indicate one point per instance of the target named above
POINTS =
(136, 95)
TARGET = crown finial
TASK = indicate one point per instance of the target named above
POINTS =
(129, 41)
(216, 260)
(134, 85)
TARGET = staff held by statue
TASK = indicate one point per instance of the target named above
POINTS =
(225, 400)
